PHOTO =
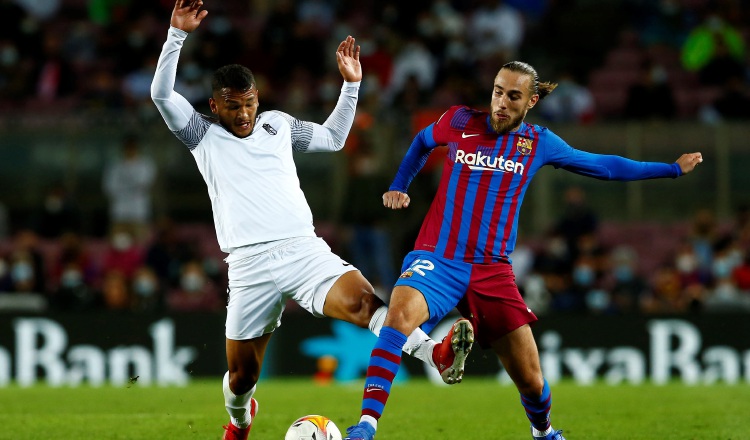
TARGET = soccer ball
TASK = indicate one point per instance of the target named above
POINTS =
(313, 427)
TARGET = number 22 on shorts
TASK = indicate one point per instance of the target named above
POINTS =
(420, 266)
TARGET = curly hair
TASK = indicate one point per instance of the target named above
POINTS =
(233, 76)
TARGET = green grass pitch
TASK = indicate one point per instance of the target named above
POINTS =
(479, 408)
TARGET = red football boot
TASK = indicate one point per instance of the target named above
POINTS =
(450, 355)
(234, 433)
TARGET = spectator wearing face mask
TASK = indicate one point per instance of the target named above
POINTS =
(725, 293)
(26, 270)
(123, 255)
(73, 275)
(148, 292)
(196, 291)
(629, 288)
(582, 291)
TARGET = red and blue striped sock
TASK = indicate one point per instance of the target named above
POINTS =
(538, 408)
(384, 362)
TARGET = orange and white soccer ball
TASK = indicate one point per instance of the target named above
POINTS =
(313, 427)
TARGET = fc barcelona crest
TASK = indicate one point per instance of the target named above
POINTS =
(407, 274)
(524, 146)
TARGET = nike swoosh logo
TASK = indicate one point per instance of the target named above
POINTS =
(371, 389)
(464, 135)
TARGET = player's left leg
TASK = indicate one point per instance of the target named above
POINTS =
(518, 352)
(408, 309)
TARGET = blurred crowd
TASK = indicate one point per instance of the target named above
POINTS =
(58, 55)
(700, 265)
(669, 59)
(575, 267)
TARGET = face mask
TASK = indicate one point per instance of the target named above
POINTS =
(597, 300)
(121, 241)
(686, 263)
(144, 286)
(722, 268)
(71, 278)
(583, 275)
(191, 282)
(623, 273)
(21, 272)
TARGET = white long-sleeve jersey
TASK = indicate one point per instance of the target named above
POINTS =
(252, 181)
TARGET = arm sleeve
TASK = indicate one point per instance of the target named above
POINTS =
(414, 160)
(331, 136)
(174, 108)
(611, 167)
(605, 166)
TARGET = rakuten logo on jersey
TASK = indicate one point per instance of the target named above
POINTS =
(481, 161)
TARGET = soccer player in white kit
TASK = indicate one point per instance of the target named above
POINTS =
(262, 219)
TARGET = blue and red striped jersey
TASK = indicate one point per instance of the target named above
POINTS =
(474, 215)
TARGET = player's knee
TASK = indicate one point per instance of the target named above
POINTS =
(368, 304)
(242, 381)
(530, 385)
(362, 307)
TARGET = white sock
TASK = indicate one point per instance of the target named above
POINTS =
(371, 420)
(418, 344)
(238, 407)
(537, 433)
(377, 320)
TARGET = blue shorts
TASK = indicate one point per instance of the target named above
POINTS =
(441, 281)
(485, 294)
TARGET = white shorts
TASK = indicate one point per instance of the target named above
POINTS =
(301, 269)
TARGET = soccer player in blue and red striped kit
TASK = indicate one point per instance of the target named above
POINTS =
(462, 254)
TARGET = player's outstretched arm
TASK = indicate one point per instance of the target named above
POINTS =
(187, 15)
(396, 200)
(347, 58)
(336, 127)
(689, 161)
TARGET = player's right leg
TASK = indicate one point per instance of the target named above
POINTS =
(254, 311)
(245, 359)
(518, 352)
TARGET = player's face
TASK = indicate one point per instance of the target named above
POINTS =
(236, 109)
(511, 99)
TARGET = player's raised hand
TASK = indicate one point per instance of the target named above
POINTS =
(347, 57)
(688, 161)
(396, 200)
(187, 14)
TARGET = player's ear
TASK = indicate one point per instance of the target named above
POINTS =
(532, 102)
(214, 107)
